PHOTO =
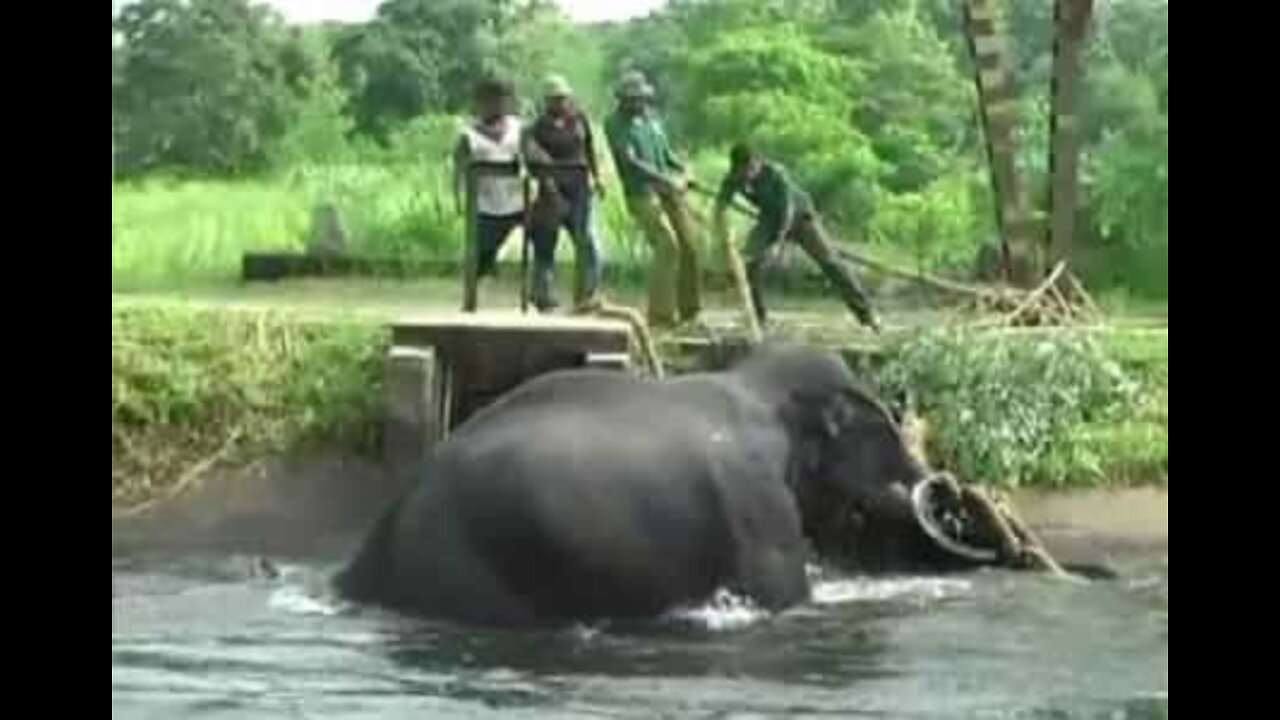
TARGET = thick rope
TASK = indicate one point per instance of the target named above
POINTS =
(1016, 545)
(639, 329)
(733, 260)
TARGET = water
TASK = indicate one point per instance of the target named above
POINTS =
(218, 638)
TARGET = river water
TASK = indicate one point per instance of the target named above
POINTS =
(216, 637)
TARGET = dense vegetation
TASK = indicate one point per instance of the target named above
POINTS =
(192, 388)
(228, 125)
(196, 388)
(1051, 409)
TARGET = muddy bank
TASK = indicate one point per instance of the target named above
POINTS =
(304, 508)
(1093, 523)
(319, 507)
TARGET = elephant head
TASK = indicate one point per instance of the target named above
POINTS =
(852, 467)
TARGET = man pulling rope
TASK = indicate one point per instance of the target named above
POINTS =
(784, 211)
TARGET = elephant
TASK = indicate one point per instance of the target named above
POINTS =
(587, 494)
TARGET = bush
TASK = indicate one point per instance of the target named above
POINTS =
(194, 385)
(941, 227)
(1048, 409)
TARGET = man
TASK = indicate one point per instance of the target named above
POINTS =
(785, 211)
(493, 135)
(654, 183)
(562, 134)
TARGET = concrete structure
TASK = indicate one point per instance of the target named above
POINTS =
(442, 368)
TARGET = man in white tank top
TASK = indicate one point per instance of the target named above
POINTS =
(492, 136)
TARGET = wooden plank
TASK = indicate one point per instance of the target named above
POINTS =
(1004, 109)
(981, 27)
(987, 45)
(993, 78)
(577, 333)
(1070, 20)
(1001, 94)
(981, 10)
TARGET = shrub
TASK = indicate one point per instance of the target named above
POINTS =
(1010, 408)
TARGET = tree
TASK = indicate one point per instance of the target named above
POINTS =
(420, 55)
(775, 88)
(914, 104)
(205, 84)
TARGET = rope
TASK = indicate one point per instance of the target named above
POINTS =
(639, 329)
(991, 515)
(187, 478)
(733, 260)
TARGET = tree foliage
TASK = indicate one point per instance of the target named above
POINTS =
(206, 83)
(870, 103)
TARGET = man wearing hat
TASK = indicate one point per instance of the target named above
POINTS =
(785, 211)
(654, 183)
(562, 134)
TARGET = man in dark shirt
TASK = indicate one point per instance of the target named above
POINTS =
(562, 135)
(785, 211)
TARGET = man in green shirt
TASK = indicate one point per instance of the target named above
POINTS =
(785, 211)
(654, 184)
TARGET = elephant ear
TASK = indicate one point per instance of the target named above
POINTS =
(838, 414)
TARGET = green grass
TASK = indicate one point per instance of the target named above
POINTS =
(298, 363)
(199, 386)
(1057, 408)
(179, 232)
(240, 375)
(170, 233)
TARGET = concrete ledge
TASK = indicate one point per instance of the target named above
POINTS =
(610, 361)
(410, 425)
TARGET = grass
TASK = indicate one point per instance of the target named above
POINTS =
(1048, 409)
(192, 387)
(239, 374)
(192, 380)
(172, 233)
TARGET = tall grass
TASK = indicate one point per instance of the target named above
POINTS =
(180, 232)
(171, 231)
(397, 202)
(192, 386)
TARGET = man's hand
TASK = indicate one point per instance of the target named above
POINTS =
(598, 187)
(675, 184)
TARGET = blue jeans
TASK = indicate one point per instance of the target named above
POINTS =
(578, 222)
(492, 232)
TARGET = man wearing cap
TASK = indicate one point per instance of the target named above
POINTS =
(785, 211)
(562, 134)
(654, 183)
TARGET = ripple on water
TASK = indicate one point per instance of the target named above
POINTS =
(236, 643)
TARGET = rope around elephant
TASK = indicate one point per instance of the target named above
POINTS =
(639, 329)
(956, 514)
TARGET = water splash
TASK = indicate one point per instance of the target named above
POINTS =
(724, 611)
(921, 589)
(295, 599)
